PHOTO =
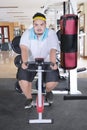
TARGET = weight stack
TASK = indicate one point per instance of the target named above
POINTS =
(69, 29)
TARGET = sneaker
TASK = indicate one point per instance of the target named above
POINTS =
(49, 97)
(28, 103)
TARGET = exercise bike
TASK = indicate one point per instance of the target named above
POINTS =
(40, 102)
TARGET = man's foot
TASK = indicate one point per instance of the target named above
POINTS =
(49, 97)
(28, 103)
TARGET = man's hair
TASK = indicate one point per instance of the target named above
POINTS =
(39, 16)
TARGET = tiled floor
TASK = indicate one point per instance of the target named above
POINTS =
(8, 69)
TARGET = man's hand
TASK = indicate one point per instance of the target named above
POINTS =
(24, 66)
(54, 66)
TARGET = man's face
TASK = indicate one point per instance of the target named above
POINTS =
(39, 26)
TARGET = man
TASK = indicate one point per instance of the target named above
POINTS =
(38, 42)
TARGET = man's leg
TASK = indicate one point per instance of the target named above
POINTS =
(52, 79)
(49, 87)
(26, 88)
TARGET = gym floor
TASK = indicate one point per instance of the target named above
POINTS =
(7, 67)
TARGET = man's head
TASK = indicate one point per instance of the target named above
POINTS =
(39, 23)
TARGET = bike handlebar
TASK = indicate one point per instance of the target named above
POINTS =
(39, 64)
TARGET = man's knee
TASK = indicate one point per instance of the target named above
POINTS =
(23, 83)
(51, 84)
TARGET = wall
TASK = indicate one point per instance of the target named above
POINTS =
(12, 26)
(82, 9)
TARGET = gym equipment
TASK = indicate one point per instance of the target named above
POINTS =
(17, 61)
(39, 62)
(81, 69)
(68, 55)
(75, 97)
(15, 44)
(43, 86)
(69, 28)
(79, 96)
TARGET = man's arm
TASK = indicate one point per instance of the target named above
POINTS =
(53, 59)
(53, 56)
(24, 55)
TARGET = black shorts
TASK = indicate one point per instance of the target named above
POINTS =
(50, 76)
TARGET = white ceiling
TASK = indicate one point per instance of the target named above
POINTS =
(22, 10)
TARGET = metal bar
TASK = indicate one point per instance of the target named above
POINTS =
(75, 97)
